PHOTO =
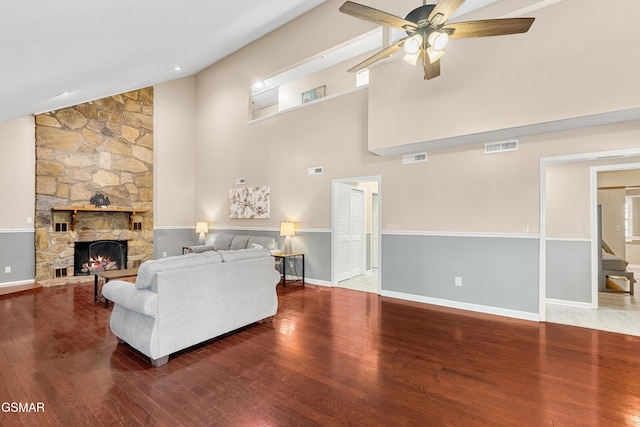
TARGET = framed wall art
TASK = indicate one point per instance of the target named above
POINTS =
(313, 94)
(249, 202)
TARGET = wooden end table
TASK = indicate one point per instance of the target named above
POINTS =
(283, 260)
(108, 275)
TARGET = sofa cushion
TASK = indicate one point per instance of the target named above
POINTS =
(242, 254)
(239, 242)
(264, 241)
(148, 269)
(222, 241)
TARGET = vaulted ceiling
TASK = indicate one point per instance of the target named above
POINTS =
(60, 53)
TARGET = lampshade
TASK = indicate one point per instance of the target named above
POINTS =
(202, 227)
(438, 40)
(434, 55)
(412, 44)
(287, 229)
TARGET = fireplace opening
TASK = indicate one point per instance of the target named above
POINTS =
(100, 255)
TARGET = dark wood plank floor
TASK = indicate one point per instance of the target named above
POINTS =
(330, 357)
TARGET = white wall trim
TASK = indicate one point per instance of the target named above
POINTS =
(17, 230)
(497, 311)
(567, 303)
(224, 228)
(318, 282)
(567, 239)
(461, 234)
(19, 282)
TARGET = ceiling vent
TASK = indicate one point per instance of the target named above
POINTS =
(500, 147)
(414, 158)
(318, 170)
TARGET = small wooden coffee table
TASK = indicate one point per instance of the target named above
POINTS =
(108, 275)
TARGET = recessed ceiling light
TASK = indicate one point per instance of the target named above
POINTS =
(258, 85)
(177, 68)
(62, 94)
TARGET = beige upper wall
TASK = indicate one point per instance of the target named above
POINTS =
(174, 124)
(457, 189)
(562, 68)
(17, 173)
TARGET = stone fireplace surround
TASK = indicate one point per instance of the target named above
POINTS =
(103, 146)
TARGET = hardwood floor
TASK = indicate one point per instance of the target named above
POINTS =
(330, 357)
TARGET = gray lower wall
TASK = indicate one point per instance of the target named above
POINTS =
(17, 250)
(171, 240)
(496, 272)
(569, 270)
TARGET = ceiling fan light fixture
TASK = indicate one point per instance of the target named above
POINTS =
(412, 44)
(434, 55)
(438, 41)
(412, 58)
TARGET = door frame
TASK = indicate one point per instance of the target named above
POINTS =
(334, 182)
(595, 245)
(542, 262)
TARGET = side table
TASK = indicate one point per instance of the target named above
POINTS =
(283, 262)
(108, 275)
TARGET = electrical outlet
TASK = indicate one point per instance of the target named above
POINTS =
(290, 263)
(29, 220)
(164, 254)
(458, 281)
(525, 228)
(7, 269)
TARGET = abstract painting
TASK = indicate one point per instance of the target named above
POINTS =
(249, 202)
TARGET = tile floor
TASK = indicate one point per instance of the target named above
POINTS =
(617, 312)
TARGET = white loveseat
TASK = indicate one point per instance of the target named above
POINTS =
(181, 301)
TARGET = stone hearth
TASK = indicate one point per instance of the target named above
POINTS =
(103, 146)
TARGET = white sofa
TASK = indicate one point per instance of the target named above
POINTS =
(181, 301)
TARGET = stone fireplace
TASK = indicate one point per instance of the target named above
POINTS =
(101, 148)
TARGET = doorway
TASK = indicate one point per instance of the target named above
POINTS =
(604, 311)
(355, 242)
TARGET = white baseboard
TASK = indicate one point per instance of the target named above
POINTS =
(566, 303)
(318, 282)
(18, 283)
(524, 315)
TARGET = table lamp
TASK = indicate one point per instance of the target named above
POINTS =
(201, 228)
(287, 229)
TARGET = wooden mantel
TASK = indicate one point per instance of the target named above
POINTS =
(91, 208)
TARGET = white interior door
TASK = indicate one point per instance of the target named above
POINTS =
(350, 231)
(374, 230)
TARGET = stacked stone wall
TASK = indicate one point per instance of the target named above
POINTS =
(103, 146)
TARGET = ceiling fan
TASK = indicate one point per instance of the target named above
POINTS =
(428, 31)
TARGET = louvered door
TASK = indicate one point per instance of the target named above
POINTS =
(349, 228)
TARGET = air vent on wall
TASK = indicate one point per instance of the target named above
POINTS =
(414, 158)
(318, 170)
(500, 147)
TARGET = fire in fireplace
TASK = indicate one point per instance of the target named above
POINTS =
(100, 255)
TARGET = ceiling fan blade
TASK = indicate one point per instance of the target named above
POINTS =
(489, 27)
(446, 8)
(377, 16)
(431, 69)
(384, 53)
